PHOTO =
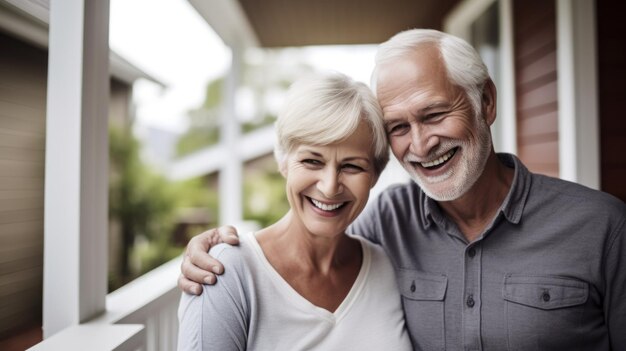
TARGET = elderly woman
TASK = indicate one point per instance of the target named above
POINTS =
(303, 283)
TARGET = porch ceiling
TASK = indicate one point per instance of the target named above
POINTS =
(279, 23)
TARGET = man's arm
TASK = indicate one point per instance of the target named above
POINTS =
(615, 299)
(198, 266)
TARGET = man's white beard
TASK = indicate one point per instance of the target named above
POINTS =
(464, 175)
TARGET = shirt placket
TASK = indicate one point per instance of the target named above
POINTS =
(472, 297)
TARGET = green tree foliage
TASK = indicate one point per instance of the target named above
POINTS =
(264, 193)
(265, 78)
(204, 122)
(144, 205)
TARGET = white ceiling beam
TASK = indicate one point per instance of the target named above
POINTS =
(228, 20)
(209, 160)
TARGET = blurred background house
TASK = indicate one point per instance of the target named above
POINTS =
(558, 66)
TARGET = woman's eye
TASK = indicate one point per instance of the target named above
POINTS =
(311, 162)
(352, 168)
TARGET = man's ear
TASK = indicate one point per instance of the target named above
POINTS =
(489, 99)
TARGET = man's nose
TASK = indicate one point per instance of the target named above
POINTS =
(329, 183)
(422, 142)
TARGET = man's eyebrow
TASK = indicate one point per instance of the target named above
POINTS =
(418, 112)
(435, 105)
(387, 122)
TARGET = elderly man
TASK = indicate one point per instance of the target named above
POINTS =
(488, 256)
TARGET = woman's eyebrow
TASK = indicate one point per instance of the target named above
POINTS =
(311, 152)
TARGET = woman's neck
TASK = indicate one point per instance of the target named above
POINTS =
(321, 269)
(289, 240)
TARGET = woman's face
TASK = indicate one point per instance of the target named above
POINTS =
(328, 186)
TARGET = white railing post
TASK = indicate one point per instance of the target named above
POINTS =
(75, 219)
(231, 179)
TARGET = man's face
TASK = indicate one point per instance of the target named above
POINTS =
(432, 128)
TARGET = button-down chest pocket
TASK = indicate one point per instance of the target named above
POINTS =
(544, 311)
(423, 298)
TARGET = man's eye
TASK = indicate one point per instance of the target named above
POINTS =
(398, 129)
(435, 116)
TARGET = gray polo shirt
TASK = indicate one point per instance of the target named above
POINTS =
(549, 273)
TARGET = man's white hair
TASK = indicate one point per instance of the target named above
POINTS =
(326, 108)
(464, 66)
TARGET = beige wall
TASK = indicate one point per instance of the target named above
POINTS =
(119, 103)
(23, 79)
(22, 141)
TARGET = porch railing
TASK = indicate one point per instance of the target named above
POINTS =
(141, 315)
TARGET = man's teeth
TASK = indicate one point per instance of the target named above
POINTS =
(326, 207)
(438, 161)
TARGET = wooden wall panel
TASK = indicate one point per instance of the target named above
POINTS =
(536, 85)
(22, 152)
(611, 31)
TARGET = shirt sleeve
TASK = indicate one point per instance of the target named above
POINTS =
(218, 318)
(615, 299)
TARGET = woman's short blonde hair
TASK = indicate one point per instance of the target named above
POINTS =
(326, 108)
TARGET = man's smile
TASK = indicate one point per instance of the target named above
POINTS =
(437, 162)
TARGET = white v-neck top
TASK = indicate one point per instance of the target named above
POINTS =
(253, 307)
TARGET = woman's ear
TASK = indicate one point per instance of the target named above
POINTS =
(375, 179)
(282, 167)
(489, 102)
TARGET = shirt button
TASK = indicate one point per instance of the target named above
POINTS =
(413, 287)
(470, 301)
(472, 252)
(545, 296)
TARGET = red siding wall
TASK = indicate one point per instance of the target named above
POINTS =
(612, 91)
(536, 85)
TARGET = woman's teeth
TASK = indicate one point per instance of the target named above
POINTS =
(438, 161)
(326, 207)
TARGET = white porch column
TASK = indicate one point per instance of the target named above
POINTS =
(231, 179)
(579, 141)
(76, 189)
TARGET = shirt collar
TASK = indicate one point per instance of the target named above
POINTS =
(513, 206)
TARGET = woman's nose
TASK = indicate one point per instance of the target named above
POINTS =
(330, 184)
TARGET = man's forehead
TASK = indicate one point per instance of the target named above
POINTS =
(418, 64)
(408, 75)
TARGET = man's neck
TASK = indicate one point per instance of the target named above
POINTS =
(477, 208)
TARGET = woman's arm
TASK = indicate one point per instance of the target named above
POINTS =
(218, 318)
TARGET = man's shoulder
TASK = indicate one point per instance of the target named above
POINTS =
(408, 190)
(573, 192)
(396, 201)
